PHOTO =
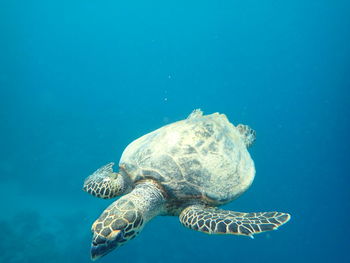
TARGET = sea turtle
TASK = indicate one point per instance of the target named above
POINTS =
(185, 169)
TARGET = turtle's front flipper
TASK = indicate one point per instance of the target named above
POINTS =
(105, 183)
(217, 221)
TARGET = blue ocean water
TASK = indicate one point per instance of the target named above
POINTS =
(79, 80)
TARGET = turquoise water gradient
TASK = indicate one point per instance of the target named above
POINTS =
(79, 80)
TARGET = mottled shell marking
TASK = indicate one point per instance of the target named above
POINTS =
(200, 157)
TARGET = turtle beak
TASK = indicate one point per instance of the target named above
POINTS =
(95, 253)
(103, 245)
(98, 252)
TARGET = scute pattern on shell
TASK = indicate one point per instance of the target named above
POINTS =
(202, 157)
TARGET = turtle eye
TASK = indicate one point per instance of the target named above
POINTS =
(99, 240)
(116, 235)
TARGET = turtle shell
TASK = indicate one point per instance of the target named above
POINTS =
(202, 157)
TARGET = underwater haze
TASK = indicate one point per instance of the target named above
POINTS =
(80, 80)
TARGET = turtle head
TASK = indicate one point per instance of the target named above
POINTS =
(119, 223)
(102, 245)
(125, 218)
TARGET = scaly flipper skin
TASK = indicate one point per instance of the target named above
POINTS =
(125, 218)
(248, 134)
(217, 221)
(105, 183)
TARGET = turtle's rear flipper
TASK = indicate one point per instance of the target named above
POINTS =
(247, 133)
(105, 183)
(217, 221)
